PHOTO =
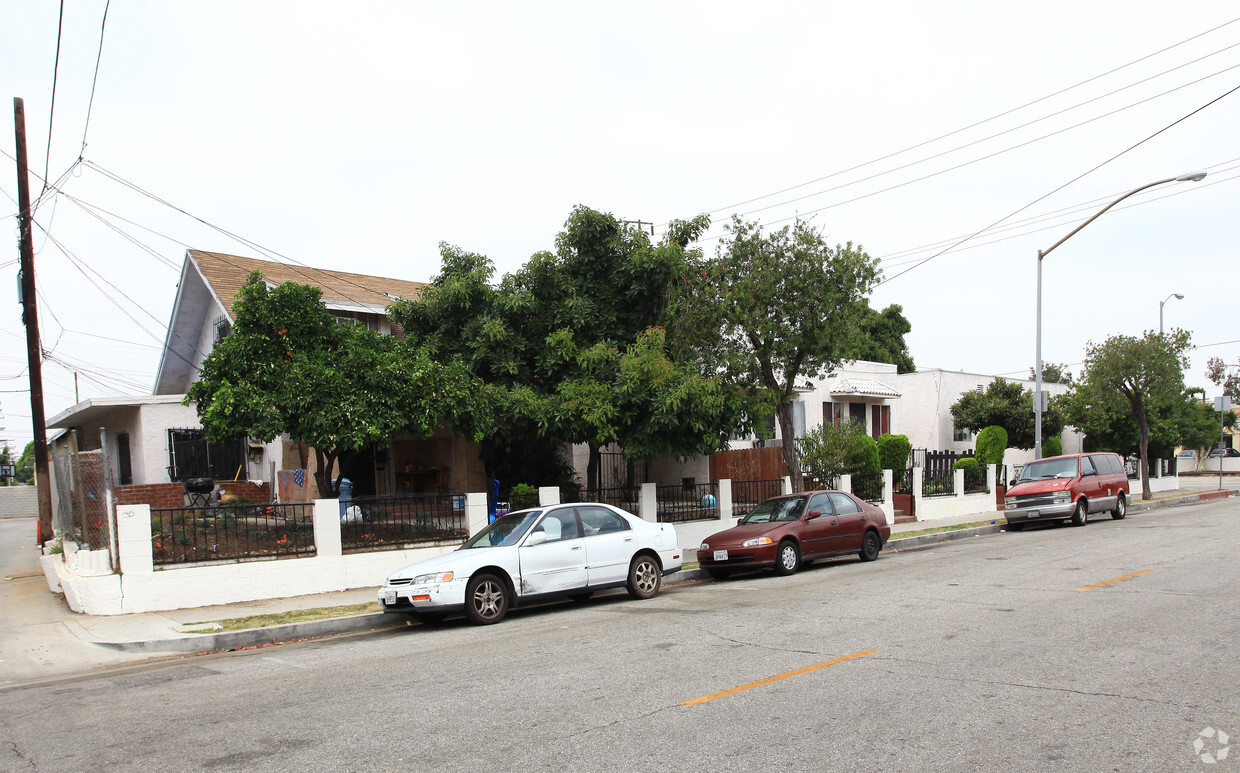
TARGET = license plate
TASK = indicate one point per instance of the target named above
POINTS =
(721, 555)
(389, 597)
(1032, 514)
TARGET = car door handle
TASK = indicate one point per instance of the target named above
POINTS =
(576, 547)
(628, 539)
(863, 517)
(834, 523)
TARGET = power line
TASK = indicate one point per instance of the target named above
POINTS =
(60, 26)
(102, 28)
(976, 124)
(1061, 187)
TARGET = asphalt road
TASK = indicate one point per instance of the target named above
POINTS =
(1004, 652)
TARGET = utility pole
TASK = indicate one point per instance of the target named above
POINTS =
(30, 317)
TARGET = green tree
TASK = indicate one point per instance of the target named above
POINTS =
(1145, 375)
(773, 309)
(881, 338)
(1008, 405)
(288, 367)
(25, 465)
(829, 451)
(1217, 372)
(1053, 373)
(572, 345)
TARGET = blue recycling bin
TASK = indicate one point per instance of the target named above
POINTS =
(346, 494)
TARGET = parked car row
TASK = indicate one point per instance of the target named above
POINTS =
(573, 550)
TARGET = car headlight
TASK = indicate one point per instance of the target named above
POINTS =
(753, 543)
(1062, 497)
(423, 579)
(1009, 502)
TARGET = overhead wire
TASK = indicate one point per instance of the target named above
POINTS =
(95, 79)
(60, 26)
(1130, 148)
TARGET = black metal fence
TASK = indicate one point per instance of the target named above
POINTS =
(938, 483)
(687, 502)
(975, 480)
(394, 522)
(748, 494)
(239, 532)
(623, 497)
(868, 486)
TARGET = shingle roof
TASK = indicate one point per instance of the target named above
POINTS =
(226, 274)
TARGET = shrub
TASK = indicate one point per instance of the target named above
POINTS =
(862, 455)
(973, 473)
(991, 443)
(1052, 446)
(893, 452)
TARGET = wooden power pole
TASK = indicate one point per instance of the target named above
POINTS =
(30, 317)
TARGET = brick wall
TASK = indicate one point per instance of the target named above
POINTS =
(173, 494)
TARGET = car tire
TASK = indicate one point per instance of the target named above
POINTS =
(719, 574)
(1121, 507)
(486, 599)
(1080, 516)
(787, 558)
(644, 577)
(871, 544)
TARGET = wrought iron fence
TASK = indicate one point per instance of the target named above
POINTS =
(393, 522)
(975, 480)
(748, 494)
(868, 486)
(829, 482)
(902, 480)
(687, 502)
(623, 497)
(938, 483)
(231, 532)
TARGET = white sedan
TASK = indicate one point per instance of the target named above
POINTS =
(533, 555)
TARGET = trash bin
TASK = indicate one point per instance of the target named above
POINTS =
(346, 494)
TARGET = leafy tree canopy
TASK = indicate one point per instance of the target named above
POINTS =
(1053, 373)
(773, 309)
(288, 367)
(1145, 378)
(881, 338)
(1008, 405)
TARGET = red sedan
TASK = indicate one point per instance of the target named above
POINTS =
(785, 532)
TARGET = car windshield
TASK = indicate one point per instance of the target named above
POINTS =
(503, 531)
(1048, 468)
(781, 509)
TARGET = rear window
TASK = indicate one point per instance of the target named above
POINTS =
(1107, 464)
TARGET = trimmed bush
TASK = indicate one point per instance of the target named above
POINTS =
(1052, 446)
(893, 452)
(862, 455)
(973, 472)
(991, 443)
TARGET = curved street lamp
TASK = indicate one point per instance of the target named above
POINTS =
(1177, 296)
(1037, 373)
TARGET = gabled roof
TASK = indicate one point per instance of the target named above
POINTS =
(226, 274)
(209, 282)
(852, 385)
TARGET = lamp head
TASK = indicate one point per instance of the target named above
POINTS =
(1191, 177)
(1179, 296)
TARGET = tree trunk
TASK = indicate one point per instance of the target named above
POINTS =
(788, 446)
(592, 467)
(1143, 447)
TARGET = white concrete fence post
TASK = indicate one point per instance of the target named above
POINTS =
(548, 495)
(326, 516)
(133, 538)
(992, 479)
(725, 499)
(889, 490)
(648, 503)
(919, 475)
(846, 483)
(476, 514)
(958, 482)
(785, 484)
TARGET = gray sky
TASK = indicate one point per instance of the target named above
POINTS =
(358, 136)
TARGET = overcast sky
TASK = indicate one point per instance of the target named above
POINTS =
(358, 136)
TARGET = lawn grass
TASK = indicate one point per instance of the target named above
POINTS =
(284, 618)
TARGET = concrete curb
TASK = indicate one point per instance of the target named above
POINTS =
(257, 637)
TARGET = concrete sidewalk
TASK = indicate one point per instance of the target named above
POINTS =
(41, 638)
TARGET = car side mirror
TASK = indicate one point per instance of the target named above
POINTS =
(812, 514)
(537, 538)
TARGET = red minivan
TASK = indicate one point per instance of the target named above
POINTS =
(1069, 487)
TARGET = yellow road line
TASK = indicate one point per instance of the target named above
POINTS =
(779, 677)
(1117, 579)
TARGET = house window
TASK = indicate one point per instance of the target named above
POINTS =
(962, 435)
(856, 412)
(124, 467)
(222, 328)
(833, 414)
(191, 456)
(881, 420)
(798, 419)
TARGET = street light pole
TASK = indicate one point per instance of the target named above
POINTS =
(1037, 347)
(1177, 296)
